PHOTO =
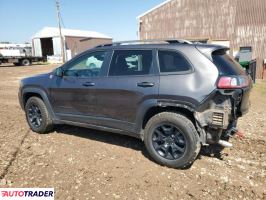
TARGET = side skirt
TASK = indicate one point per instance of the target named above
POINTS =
(97, 127)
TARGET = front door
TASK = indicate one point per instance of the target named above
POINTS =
(73, 95)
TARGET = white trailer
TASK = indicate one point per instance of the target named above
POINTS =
(18, 54)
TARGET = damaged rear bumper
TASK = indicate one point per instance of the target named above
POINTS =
(213, 118)
(218, 115)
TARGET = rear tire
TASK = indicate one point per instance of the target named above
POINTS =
(38, 116)
(171, 140)
(25, 62)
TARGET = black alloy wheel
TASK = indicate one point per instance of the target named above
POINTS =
(38, 116)
(168, 141)
(35, 115)
(171, 139)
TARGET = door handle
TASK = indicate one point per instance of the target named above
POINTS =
(88, 84)
(145, 84)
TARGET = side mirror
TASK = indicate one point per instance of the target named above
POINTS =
(59, 72)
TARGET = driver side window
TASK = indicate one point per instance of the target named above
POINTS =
(89, 65)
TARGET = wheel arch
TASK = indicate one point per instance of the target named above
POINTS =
(28, 95)
(37, 92)
(182, 109)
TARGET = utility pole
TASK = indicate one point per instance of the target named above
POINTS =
(60, 32)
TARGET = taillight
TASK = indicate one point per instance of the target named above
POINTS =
(233, 82)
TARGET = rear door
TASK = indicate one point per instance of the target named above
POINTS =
(132, 80)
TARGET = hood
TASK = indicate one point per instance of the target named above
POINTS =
(41, 80)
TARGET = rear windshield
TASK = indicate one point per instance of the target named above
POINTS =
(226, 64)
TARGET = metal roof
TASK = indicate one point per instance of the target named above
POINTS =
(154, 8)
(54, 32)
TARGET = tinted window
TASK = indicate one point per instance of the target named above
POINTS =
(131, 62)
(89, 65)
(225, 64)
(171, 61)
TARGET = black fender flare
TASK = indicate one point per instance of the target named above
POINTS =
(141, 112)
(152, 103)
(44, 96)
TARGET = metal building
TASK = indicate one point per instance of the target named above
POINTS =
(233, 23)
(47, 42)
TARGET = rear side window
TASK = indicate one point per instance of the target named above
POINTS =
(131, 62)
(225, 64)
(171, 61)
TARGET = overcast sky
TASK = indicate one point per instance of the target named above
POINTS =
(20, 19)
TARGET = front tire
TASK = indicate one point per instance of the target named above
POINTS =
(38, 116)
(171, 140)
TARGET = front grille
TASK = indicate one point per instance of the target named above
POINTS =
(217, 119)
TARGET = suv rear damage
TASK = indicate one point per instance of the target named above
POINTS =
(174, 95)
(217, 116)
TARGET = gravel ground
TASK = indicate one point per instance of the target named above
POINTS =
(87, 164)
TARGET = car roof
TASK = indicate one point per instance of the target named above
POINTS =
(200, 46)
(144, 46)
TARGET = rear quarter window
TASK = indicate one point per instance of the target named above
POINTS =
(225, 64)
(172, 61)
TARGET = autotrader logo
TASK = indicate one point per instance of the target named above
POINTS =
(26, 193)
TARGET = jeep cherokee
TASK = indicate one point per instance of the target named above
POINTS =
(174, 95)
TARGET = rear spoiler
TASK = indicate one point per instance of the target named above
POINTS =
(207, 50)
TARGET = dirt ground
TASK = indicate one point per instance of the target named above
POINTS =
(87, 164)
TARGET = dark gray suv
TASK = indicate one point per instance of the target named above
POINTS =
(174, 95)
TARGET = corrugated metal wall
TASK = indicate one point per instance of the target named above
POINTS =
(36, 46)
(242, 22)
(80, 44)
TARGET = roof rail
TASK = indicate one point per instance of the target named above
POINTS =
(169, 41)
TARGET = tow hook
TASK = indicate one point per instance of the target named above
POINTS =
(231, 132)
(237, 133)
(228, 144)
(240, 135)
(225, 144)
